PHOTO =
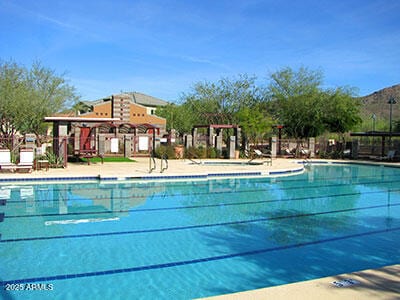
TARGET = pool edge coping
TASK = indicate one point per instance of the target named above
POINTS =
(199, 176)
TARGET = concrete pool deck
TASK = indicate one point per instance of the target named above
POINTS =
(381, 283)
(140, 168)
(182, 167)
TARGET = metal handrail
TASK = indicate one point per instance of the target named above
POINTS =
(164, 158)
(195, 162)
(306, 162)
(152, 161)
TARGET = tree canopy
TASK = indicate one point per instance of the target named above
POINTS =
(299, 102)
(219, 102)
(29, 95)
(227, 101)
(293, 98)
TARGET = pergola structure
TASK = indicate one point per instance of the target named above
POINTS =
(380, 134)
(217, 128)
(62, 127)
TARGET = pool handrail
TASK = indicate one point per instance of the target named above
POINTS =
(152, 163)
(195, 162)
(164, 158)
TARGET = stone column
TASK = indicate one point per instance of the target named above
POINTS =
(194, 134)
(354, 149)
(127, 146)
(274, 148)
(311, 147)
(210, 133)
(102, 144)
(188, 140)
(238, 137)
(232, 143)
(218, 142)
(77, 140)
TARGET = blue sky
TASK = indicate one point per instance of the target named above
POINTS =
(162, 48)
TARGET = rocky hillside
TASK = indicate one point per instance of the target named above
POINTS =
(376, 103)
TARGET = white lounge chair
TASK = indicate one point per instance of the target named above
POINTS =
(289, 154)
(268, 157)
(305, 152)
(260, 154)
(390, 155)
(25, 161)
(5, 161)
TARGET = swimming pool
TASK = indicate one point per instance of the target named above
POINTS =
(198, 238)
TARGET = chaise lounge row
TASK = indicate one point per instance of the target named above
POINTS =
(25, 161)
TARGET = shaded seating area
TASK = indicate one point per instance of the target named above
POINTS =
(382, 152)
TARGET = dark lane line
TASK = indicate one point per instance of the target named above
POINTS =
(197, 226)
(190, 262)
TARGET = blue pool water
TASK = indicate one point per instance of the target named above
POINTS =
(189, 239)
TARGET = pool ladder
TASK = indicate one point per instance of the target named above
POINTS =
(164, 159)
(306, 163)
(153, 164)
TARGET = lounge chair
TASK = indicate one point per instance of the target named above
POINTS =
(260, 154)
(305, 153)
(347, 153)
(289, 154)
(390, 155)
(268, 157)
(25, 164)
(5, 161)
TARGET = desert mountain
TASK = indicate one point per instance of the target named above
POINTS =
(377, 103)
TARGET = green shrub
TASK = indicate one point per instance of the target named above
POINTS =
(167, 150)
(53, 159)
(201, 152)
(213, 153)
(193, 152)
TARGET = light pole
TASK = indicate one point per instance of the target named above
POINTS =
(391, 102)
(373, 117)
